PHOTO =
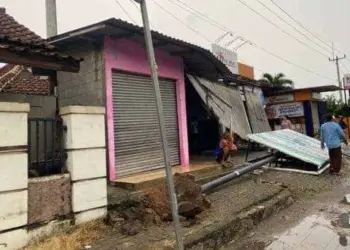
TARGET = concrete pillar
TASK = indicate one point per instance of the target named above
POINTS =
(85, 143)
(13, 174)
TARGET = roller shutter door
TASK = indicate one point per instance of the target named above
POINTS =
(137, 140)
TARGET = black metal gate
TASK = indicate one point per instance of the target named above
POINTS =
(46, 155)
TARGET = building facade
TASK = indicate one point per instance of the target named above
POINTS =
(115, 74)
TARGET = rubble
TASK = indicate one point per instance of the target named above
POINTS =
(131, 229)
(153, 206)
(191, 201)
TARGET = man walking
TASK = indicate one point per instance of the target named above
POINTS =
(332, 135)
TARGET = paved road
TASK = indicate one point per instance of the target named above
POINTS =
(319, 222)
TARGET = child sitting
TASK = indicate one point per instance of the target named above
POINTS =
(225, 149)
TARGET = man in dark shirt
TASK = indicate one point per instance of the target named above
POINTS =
(342, 124)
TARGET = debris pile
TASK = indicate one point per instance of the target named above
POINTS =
(152, 207)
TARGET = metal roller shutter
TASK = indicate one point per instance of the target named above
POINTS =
(168, 93)
(136, 129)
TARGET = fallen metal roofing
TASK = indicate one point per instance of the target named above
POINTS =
(294, 144)
(256, 113)
(225, 102)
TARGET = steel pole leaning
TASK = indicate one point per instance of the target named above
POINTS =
(154, 75)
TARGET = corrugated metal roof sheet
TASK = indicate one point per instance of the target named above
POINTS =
(198, 61)
(294, 144)
(256, 113)
(226, 104)
(319, 89)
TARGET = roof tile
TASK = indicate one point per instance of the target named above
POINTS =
(19, 80)
(16, 37)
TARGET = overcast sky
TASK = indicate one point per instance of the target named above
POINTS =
(330, 20)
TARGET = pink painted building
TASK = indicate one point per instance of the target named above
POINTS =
(115, 74)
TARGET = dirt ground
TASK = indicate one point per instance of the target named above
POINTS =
(322, 200)
(228, 202)
(327, 203)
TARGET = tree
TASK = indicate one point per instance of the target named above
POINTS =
(336, 106)
(278, 80)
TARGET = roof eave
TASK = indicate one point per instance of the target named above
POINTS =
(26, 58)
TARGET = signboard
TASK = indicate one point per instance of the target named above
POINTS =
(280, 98)
(228, 57)
(347, 81)
(315, 95)
(295, 144)
(294, 109)
(246, 71)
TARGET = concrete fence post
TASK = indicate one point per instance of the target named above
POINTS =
(85, 143)
(13, 174)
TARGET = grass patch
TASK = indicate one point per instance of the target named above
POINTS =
(74, 239)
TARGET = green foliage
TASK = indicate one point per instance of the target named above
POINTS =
(279, 80)
(337, 107)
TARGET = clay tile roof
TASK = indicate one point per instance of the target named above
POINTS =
(16, 37)
(19, 80)
(10, 28)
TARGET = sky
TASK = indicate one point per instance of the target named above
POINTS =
(330, 20)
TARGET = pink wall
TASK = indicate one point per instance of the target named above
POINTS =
(131, 57)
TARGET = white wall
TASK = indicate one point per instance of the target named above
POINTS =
(13, 173)
(85, 144)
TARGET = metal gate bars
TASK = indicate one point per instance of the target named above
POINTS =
(46, 154)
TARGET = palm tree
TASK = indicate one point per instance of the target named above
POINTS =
(278, 80)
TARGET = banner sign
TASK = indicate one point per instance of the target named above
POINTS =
(228, 57)
(280, 98)
(294, 109)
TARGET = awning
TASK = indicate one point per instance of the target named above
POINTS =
(256, 113)
(294, 144)
(225, 102)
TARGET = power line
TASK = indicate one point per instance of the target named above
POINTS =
(218, 25)
(125, 11)
(225, 29)
(345, 64)
(202, 16)
(336, 60)
(133, 2)
(175, 17)
(283, 20)
(294, 64)
(301, 25)
(287, 33)
(305, 28)
(139, 10)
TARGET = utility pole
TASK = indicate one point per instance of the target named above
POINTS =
(154, 75)
(51, 18)
(345, 99)
(336, 60)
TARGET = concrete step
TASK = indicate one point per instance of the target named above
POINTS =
(143, 181)
(203, 171)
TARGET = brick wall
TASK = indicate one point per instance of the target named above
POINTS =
(87, 86)
(40, 106)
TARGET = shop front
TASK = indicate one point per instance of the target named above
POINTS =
(304, 107)
(294, 111)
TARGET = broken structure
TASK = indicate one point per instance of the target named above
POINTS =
(293, 147)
